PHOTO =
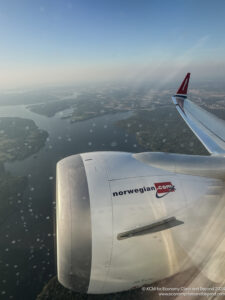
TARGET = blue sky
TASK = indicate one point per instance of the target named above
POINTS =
(52, 41)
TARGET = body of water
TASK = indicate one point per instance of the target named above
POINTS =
(27, 248)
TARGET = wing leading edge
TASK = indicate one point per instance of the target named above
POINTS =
(209, 129)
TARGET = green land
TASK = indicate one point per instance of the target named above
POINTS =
(83, 107)
(89, 109)
(10, 187)
(19, 138)
(162, 129)
(49, 109)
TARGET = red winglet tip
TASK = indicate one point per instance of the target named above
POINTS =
(184, 85)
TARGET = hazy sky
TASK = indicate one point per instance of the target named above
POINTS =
(59, 41)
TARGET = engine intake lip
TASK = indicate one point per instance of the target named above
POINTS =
(74, 240)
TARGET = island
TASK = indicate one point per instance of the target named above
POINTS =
(19, 138)
(49, 109)
(82, 108)
(90, 108)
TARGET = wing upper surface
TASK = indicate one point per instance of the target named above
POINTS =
(209, 129)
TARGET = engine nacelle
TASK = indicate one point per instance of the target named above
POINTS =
(122, 223)
(74, 240)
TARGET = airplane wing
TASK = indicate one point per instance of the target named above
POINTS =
(209, 129)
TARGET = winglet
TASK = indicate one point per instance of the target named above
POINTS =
(184, 86)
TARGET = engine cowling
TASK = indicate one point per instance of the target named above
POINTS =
(102, 195)
(74, 239)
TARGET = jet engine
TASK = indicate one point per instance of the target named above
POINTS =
(124, 222)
